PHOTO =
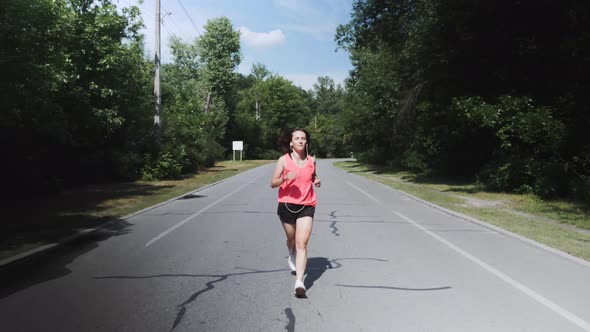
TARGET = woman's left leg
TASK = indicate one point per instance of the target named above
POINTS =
(302, 235)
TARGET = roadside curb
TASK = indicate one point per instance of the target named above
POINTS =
(83, 232)
(486, 225)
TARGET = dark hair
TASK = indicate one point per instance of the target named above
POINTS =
(285, 141)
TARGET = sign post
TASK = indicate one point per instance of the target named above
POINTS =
(237, 146)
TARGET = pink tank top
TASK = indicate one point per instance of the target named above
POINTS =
(298, 190)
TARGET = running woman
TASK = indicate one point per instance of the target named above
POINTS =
(295, 176)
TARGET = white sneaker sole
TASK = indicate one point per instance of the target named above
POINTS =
(291, 264)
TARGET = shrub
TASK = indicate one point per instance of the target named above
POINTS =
(269, 154)
(527, 141)
(127, 166)
(375, 155)
(212, 152)
(164, 168)
(415, 161)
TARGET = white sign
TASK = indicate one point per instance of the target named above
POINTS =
(238, 145)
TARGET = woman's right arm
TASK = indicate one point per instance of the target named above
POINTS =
(277, 177)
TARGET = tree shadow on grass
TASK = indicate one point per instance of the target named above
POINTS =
(33, 222)
(212, 170)
(355, 167)
(428, 178)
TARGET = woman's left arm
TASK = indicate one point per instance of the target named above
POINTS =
(314, 177)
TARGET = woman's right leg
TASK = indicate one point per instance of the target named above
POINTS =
(290, 231)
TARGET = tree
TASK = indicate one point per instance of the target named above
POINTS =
(219, 48)
(414, 59)
(285, 106)
(326, 127)
(260, 73)
(72, 88)
(190, 134)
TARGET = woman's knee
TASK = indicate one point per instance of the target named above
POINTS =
(301, 244)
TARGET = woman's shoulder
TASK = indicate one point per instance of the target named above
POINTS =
(282, 159)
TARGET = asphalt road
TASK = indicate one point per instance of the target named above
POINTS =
(216, 261)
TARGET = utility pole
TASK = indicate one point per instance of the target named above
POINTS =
(158, 98)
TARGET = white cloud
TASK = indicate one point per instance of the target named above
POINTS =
(261, 39)
(316, 19)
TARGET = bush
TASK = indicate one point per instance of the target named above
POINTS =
(269, 154)
(375, 155)
(414, 161)
(164, 168)
(581, 189)
(213, 152)
(551, 181)
(526, 144)
(127, 166)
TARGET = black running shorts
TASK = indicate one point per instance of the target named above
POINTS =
(289, 213)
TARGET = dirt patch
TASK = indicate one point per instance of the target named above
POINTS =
(480, 203)
(548, 220)
(470, 202)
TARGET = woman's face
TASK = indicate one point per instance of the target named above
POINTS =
(298, 140)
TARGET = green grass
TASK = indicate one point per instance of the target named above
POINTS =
(33, 223)
(559, 224)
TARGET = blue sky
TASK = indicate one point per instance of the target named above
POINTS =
(292, 38)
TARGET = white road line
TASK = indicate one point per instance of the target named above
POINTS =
(169, 230)
(536, 296)
(364, 192)
(529, 292)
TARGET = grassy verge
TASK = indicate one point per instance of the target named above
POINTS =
(33, 223)
(559, 224)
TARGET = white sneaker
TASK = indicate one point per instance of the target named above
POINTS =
(299, 289)
(291, 261)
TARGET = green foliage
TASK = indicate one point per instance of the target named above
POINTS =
(326, 127)
(190, 134)
(527, 140)
(126, 165)
(373, 155)
(219, 49)
(415, 161)
(269, 154)
(80, 107)
(73, 89)
(441, 85)
(282, 105)
(163, 168)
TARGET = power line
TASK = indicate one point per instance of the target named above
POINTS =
(189, 17)
(172, 23)
(168, 31)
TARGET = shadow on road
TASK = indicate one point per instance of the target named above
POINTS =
(316, 266)
(52, 264)
(395, 288)
(209, 285)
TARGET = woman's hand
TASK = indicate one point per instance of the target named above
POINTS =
(290, 176)
(317, 182)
